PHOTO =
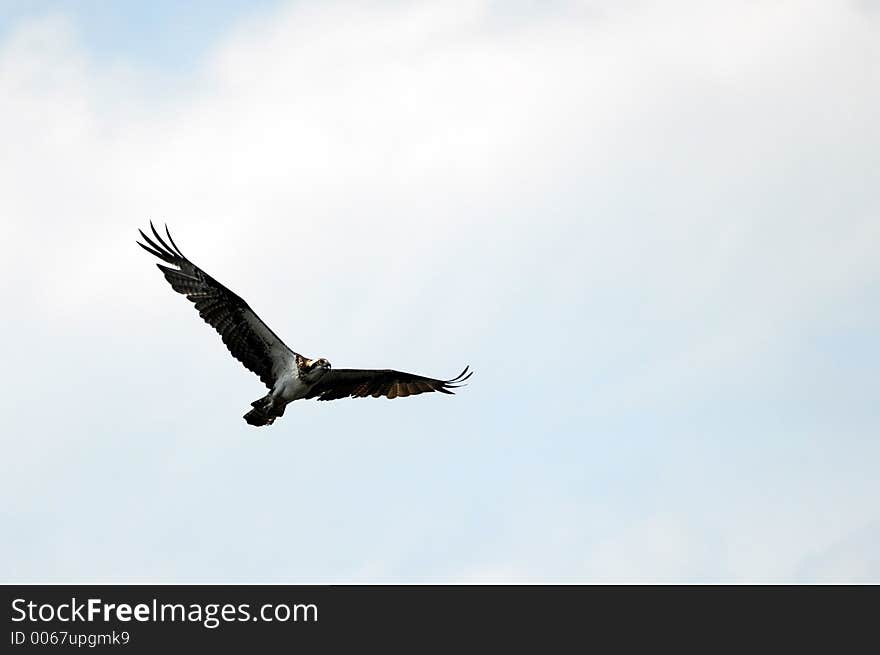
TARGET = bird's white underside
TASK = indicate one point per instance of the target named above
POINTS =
(289, 387)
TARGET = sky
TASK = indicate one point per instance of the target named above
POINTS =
(651, 228)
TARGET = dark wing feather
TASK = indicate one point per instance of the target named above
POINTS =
(246, 336)
(358, 383)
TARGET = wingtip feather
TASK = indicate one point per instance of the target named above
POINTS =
(150, 250)
(160, 239)
(168, 233)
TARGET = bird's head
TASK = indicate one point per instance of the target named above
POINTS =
(315, 369)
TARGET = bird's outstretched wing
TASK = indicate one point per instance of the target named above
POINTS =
(358, 383)
(246, 336)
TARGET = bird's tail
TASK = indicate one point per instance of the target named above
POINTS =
(262, 413)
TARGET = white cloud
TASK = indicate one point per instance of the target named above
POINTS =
(851, 560)
(652, 201)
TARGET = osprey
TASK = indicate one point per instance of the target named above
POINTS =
(288, 375)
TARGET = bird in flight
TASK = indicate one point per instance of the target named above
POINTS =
(288, 375)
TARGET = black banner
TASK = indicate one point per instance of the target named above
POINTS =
(152, 618)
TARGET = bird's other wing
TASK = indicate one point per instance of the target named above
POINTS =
(246, 336)
(359, 383)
